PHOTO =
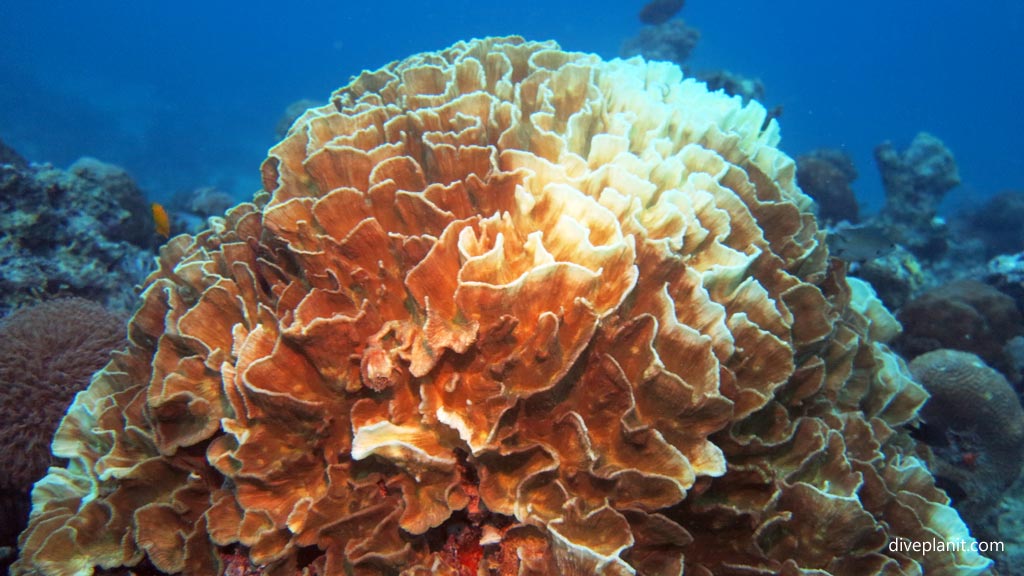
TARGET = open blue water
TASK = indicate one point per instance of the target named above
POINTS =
(186, 94)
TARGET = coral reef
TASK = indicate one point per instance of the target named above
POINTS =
(503, 309)
(916, 180)
(963, 315)
(975, 426)
(826, 175)
(48, 353)
(82, 232)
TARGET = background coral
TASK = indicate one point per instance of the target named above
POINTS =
(916, 180)
(897, 276)
(963, 315)
(48, 353)
(826, 175)
(975, 426)
(504, 308)
(108, 196)
(672, 41)
(83, 232)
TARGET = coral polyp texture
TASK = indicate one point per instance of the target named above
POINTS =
(502, 309)
(48, 352)
(975, 424)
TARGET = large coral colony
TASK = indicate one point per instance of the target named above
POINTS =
(503, 309)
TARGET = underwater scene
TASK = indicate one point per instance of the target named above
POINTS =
(646, 288)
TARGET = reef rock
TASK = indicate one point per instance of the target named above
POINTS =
(503, 309)
(916, 180)
(81, 232)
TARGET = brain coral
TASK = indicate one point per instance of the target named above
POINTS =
(502, 309)
(48, 352)
(973, 413)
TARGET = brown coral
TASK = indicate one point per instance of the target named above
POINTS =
(503, 309)
(48, 352)
(963, 315)
(975, 423)
(826, 175)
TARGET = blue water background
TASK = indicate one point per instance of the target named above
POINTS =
(186, 94)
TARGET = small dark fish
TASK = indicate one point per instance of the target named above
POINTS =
(859, 243)
(659, 11)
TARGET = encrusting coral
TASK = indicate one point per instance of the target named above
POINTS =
(510, 310)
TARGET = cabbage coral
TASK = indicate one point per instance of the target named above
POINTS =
(502, 309)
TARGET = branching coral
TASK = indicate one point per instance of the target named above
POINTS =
(503, 309)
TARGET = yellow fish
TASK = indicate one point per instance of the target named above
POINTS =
(163, 223)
